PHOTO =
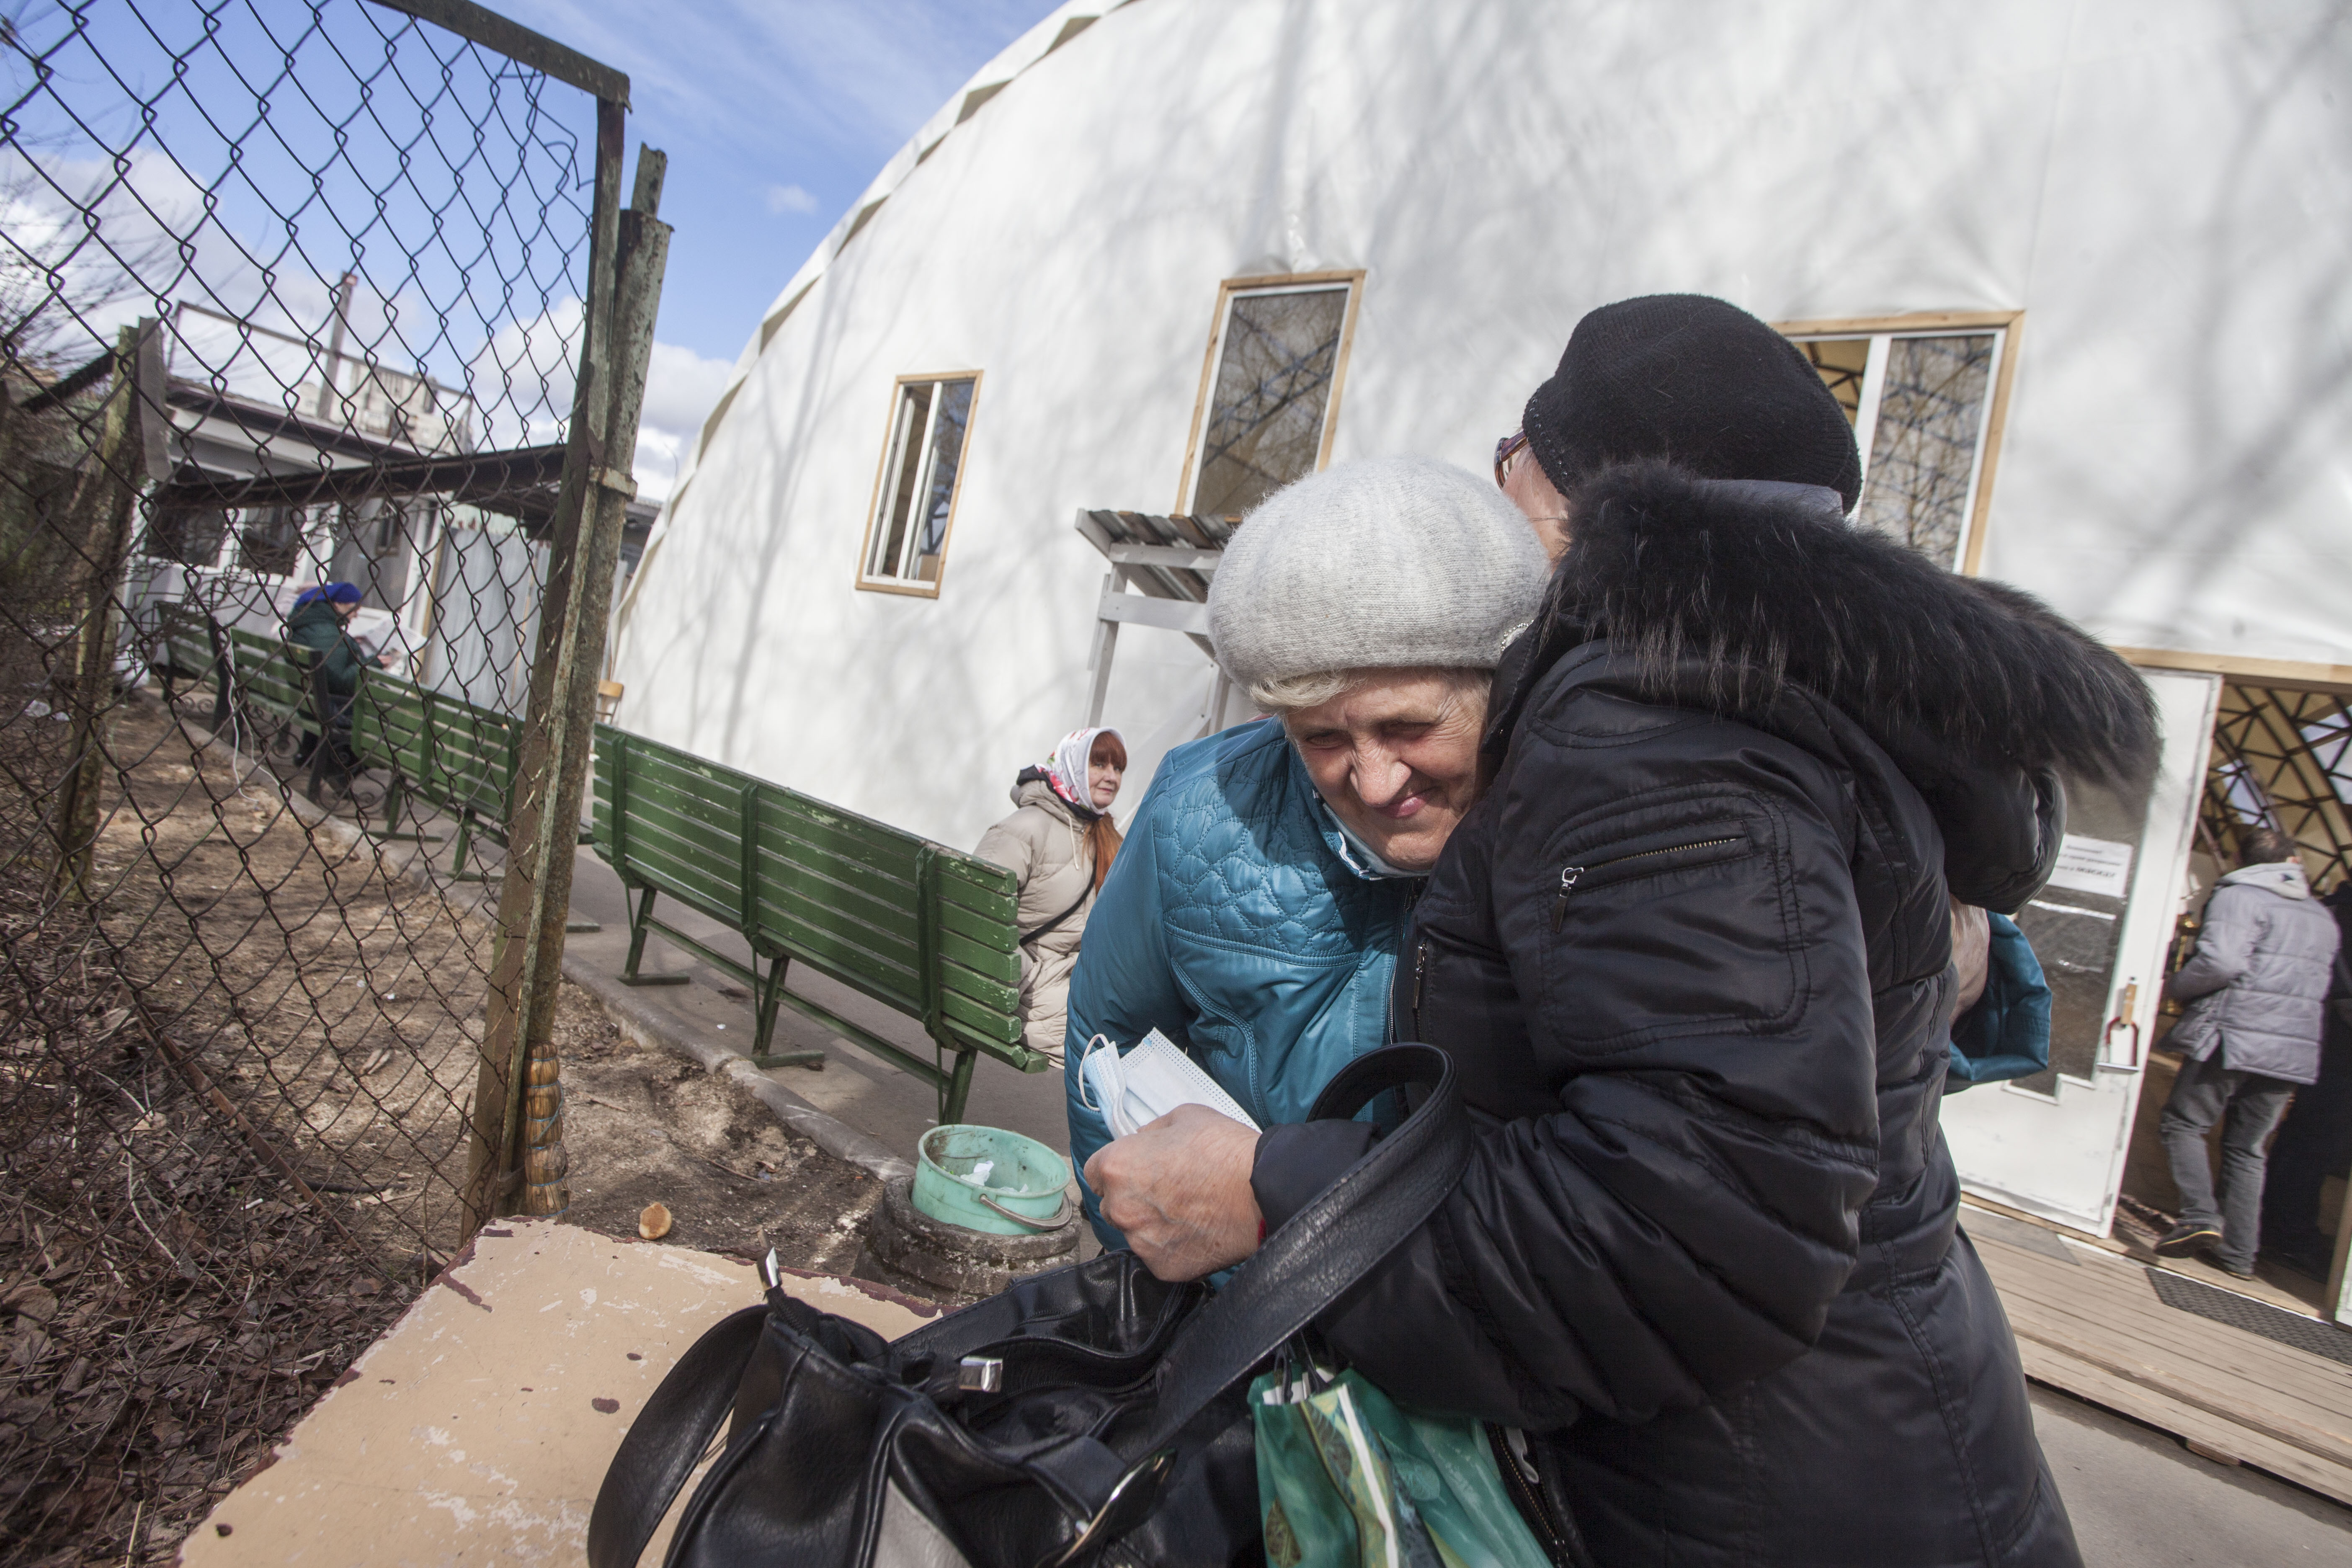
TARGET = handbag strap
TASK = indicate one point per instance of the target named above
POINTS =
(1328, 1246)
(1347, 1231)
(1031, 935)
(666, 1440)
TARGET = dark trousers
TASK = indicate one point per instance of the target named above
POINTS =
(2248, 1105)
(2315, 1142)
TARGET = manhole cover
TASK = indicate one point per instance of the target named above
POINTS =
(2254, 1317)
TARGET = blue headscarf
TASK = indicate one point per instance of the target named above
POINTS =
(333, 593)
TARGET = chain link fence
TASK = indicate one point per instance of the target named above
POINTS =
(294, 299)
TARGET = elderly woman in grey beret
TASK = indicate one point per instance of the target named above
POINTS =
(1254, 916)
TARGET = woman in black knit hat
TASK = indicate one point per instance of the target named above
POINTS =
(1691, 954)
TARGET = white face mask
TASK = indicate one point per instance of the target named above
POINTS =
(1137, 1089)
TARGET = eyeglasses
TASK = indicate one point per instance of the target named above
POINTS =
(1508, 448)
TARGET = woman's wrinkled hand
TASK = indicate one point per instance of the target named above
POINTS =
(1971, 954)
(1178, 1190)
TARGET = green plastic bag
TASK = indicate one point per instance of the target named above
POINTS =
(1349, 1479)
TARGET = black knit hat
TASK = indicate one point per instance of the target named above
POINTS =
(1695, 381)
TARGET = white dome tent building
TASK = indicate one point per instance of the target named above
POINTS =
(2076, 270)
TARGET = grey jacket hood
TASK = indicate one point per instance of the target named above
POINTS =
(2285, 878)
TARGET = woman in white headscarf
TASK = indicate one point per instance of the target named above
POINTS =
(1059, 844)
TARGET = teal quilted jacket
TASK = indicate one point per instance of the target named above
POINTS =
(1237, 924)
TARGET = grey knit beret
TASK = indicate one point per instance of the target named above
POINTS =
(1385, 562)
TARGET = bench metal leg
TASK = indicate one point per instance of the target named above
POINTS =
(396, 795)
(458, 872)
(319, 756)
(629, 975)
(771, 990)
(958, 1087)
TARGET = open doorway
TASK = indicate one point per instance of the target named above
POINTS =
(2279, 758)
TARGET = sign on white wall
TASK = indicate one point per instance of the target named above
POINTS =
(2092, 865)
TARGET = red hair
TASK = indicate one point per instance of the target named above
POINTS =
(1102, 834)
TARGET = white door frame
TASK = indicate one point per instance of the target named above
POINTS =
(2062, 1156)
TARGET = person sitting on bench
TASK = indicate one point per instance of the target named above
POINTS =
(321, 622)
(1058, 842)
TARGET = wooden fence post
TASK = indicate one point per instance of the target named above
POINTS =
(518, 1131)
(99, 516)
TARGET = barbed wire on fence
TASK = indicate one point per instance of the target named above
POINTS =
(293, 296)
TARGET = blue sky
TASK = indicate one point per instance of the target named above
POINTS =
(234, 190)
(775, 115)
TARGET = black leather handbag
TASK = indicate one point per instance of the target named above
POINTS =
(1088, 1416)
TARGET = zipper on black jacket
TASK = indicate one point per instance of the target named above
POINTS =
(1570, 876)
(1420, 979)
(1540, 1521)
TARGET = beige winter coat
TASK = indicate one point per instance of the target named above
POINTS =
(1043, 845)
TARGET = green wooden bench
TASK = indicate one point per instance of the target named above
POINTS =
(277, 700)
(273, 689)
(455, 756)
(926, 930)
(184, 651)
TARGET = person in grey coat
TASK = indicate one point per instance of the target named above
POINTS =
(2256, 989)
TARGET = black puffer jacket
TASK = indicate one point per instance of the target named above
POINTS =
(1691, 954)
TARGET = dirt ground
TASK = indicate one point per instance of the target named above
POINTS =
(644, 1127)
(243, 990)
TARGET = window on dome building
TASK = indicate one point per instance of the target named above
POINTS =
(1270, 389)
(915, 493)
(1927, 395)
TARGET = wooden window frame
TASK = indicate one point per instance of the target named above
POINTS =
(2242, 670)
(1226, 289)
(900, 585)
(2010, 326)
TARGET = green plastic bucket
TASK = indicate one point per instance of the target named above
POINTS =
(982, 1178)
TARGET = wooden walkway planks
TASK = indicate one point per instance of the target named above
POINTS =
(2095, 1328)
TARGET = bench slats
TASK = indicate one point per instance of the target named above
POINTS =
(920, 927)
(984, 929)
(886, 910)
(987, 966)
(458, 757)
(664, 825)
(874, 956)
(268, 676)
(986, 1023)
(894, 861)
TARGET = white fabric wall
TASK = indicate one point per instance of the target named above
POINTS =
(2160, 184)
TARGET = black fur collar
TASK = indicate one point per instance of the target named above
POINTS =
(1764, 591)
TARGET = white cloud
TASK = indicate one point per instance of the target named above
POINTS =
(789, 199)
(681, 389)
(527, 369)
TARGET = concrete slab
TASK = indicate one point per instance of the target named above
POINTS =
(2140, 1499)
(479, 1428)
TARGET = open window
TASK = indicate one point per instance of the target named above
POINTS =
(915, 493)
(1927, 396)
(1269, 388)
